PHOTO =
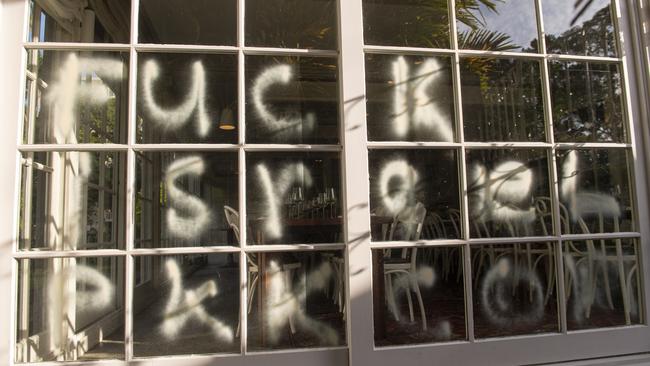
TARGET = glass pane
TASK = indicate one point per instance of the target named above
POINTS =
(80, 97)
(190, 307)
(291, 23)
(602, 283)
(502, 100)
(187, 98)
(414, 194)
(196, 195)
(297, 300)
(418, 295)
(79, 21)
(200, 22)
(595, 191)
(292, 100)
(409, 98)
(515, 289)
(579, 28)
(293, 198)
(61, 206)
(406, 23)
(70, 309)
(497, 25)
(587, 102)
(505, 187)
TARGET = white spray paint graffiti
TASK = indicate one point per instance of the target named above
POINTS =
(581, 203)
(275, 190)
(174, 118)
(397, 199)
(496, 295)
(63, 288)
(184, 305)
(284, 304)
(188, 217)
(581, 294)
(412, 105)
(65, 92)
(287, 126)
(496, 195)
(403, 282)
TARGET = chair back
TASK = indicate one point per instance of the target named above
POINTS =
(412, 221)
(232, 218)
(434, 227)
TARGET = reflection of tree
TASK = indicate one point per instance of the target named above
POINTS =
(291, 23)
(504, 102)
(586, 101)
(594, 37)
(479, 37)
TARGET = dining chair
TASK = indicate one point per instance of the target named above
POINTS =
(410, 223)
(253, 273)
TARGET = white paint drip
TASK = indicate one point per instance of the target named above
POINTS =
(275, 192)
(175, 118)
(397, 199)
(295, 125)
(412, 105)
(184, 305)
(188, 216)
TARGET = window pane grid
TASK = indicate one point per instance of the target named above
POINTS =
(550, 145)
(132, 147)
(242, 147)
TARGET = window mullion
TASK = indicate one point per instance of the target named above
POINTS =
(356, 208)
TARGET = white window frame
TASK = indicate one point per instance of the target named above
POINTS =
(565, 346)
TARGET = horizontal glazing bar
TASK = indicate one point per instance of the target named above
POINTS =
(192, 147)
(296, 350)
(591, 145)
(77, 46)
(289, 52)
(72, 147)
(583, 58)
(411, 145)
(287, 147)
(482, 53)
(515, 240)
(500, 145)
(190, 250)
(69, 253)
(293, 247)
(499, 54)
(407, 50)
(419, 244)
(595, 236)
(184, 48)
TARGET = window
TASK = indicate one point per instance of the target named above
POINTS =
(328, 182)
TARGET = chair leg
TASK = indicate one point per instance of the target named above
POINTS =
(418, 295)
(287, 279)
(550, 280)
(621, 276)
(604, 268)
(252, 293)
(410, 302)
(390, 297)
